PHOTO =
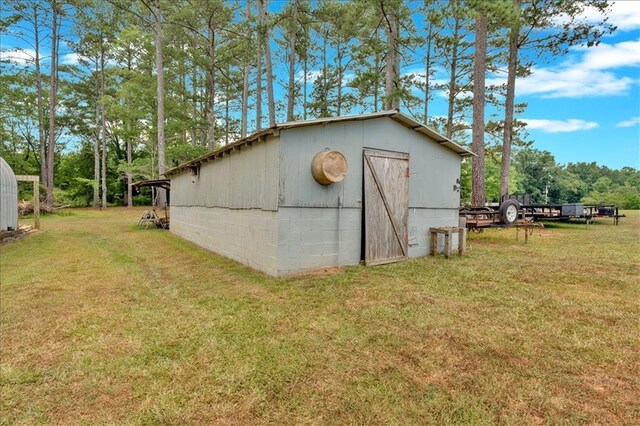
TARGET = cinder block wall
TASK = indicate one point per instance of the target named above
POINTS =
(249, 236)
(420, 220)
(314, 238)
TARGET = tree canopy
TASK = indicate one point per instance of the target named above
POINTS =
(102, 93)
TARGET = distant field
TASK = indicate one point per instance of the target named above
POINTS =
(101, 322)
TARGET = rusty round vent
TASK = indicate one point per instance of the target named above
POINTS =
(329, 167)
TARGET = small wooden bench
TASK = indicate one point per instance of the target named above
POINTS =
(448, 232)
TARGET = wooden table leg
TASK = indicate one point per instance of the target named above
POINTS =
(462, 240)
(447, 244)
(434, 243)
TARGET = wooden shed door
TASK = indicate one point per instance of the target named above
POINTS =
(386, 206)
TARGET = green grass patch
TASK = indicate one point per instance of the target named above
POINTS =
(102, 322)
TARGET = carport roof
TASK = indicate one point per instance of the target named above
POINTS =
(274, 130)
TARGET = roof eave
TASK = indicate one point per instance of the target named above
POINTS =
(393, 114)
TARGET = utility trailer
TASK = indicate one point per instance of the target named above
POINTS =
(512, 213)
(587, 212)
(507, 215)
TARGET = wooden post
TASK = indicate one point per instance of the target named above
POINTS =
(36, 202)
(434, 242)
(447, 244)
(462, 240)
(36, 196)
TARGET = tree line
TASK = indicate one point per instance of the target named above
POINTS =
(102, 93)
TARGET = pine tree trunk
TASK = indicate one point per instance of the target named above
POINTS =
(512, 69)
(292, 64)
(325, 84)
(477, 144)
(427, 72)
(339, 94)
(245, 83)
(129, 180)
(226, 118)
(104, 129)
(211, 90)
(376, 94)
(161, 198)
(396, 61)
(52, 101)
(259, 81)
(390, 80)
(96, 143)
(245, 100)
(268, 65)
(194, 105)
(39, 100)
(130, 125)
(453, 69)
(183, 97)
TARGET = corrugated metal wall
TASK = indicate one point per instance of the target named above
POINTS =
(434, 169)
(8, 197)
(245, 179)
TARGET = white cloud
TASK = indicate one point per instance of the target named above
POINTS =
(607, 56)
(574, 82)
(27, 56)
(590, 75)
(313, 75)
(20, 56)
(559, 126)
(70, 59)
(633, 121)
(624, 14)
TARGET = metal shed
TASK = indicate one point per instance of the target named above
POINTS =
(257, 201)
(8, 197)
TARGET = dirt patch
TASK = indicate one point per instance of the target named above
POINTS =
(7, 237)
(319, 272)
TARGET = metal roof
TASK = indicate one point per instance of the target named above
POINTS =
(162, 183)
(260, 136)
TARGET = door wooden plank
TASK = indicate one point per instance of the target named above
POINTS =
(381, 192)
(377, 226)
(386, 206)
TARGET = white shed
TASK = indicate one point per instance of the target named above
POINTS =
(258, 201)
(8, 198)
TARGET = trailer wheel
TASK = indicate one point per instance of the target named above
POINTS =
(508, 212)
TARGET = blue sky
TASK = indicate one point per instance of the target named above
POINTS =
(583, 106)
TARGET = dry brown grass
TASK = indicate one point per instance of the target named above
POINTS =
(104, 323)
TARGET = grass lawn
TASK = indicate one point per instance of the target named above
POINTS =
(102, 322)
